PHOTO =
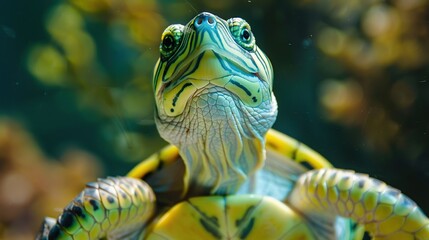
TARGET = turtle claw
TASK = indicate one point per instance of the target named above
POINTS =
(46, 227)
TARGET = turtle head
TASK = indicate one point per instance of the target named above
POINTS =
(213, 91)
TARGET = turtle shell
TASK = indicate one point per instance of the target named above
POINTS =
(232, 187)
(231, 217)
(259, 210)
(286, 159)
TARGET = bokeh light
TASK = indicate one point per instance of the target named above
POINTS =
(76, 101)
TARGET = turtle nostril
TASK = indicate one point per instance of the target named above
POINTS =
(205, 20)
(210, 20)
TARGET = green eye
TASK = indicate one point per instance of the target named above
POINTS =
(242, 34)
(170, 40)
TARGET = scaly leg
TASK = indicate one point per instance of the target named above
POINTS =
(113, 208)
(385, 212)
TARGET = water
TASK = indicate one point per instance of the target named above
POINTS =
(350, 79)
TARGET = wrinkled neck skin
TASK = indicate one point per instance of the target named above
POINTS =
(220, 139)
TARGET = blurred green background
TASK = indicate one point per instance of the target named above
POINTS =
(351, 80)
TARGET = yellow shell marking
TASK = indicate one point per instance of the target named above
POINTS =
(232, 217)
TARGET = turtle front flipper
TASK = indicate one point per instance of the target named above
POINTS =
(385, 212)
(113, 208)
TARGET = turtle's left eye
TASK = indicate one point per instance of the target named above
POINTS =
(170, 40)
(242, 33)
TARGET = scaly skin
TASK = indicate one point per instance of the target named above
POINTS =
(385, 212)
(213, 89)
(109, 208)
(214, 100)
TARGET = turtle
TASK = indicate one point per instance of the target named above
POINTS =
(226, 173)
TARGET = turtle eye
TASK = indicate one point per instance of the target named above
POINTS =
(168, 43)
(242, 33)
(170, 40)
(245, 34)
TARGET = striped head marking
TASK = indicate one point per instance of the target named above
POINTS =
(209, 52)
(212, 86)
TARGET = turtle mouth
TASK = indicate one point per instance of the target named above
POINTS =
(210, 67)
(209, 62)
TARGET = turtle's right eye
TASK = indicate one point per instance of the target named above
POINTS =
(170, 40)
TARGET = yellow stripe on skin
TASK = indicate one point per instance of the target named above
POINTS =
(293, 149)
(249, 92)
(385, 212)
(168, 154)
(175, 100)
(276, 141)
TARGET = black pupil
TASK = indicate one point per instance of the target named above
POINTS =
(246, 34)
(168, 42)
